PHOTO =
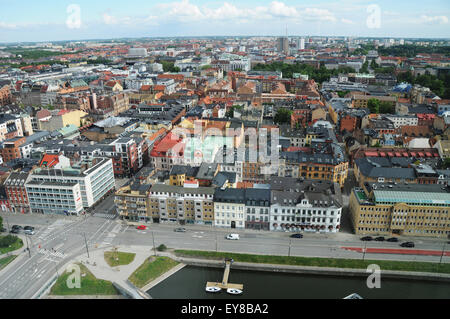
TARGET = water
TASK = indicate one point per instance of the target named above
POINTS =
(190, 282)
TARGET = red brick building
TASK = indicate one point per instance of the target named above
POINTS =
(10, 149)
(16, 192)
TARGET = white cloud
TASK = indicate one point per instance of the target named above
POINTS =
(109, 19)
(346, 21)
(4, 25)
(318, 14)
(434, 19)
(279, 9)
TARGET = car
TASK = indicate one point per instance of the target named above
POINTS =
(232, 237)
(408, 244)
(17, 227)
(381, 238)
(367, 238)
(15, 231)
(28, 230)
(180, 230)
(296, 236)
(2, 230)
(392, 239)
(142, 227)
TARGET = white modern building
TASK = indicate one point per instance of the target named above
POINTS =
(95, 178)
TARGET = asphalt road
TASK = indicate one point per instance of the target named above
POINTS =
(66, 235)
(53, 245)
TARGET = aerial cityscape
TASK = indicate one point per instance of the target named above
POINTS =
(208, 150)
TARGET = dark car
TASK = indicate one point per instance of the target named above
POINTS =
(28, 228)
(367, 238)
(296, 236)
(408, 244)
(381, 238)
(2, 230)
(15, 231)
(17, 227)
(392, 240)
(180, 230)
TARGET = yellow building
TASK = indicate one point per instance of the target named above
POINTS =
(62, 118)
(185, 205)
(410, 210)
(359, 101)
(133, 202)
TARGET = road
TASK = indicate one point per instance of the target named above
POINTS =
(66, 235)
(53, 245)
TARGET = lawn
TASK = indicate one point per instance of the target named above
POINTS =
(151, 269)
(118, 258)
(89, 285)
(14, 246)
(6, 260)
(321, 262)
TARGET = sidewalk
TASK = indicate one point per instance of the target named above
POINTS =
(101, 270)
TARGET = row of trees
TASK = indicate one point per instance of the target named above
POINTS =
(439, 85)
(170, 67)
(320, 75)
(411, 50)
(379, 107)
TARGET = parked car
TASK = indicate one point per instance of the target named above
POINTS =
(392, 240)
(381, 238)
(142, 227)
(17, 227)
(367, 238)
(296, 236)
(408, 244)
(232, 237)
(15, 231)
(180, 230)
(28, 230)
(3, 230)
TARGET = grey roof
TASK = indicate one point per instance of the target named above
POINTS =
(229, 195)
(207, 171)
(368, 168)
(181, 190)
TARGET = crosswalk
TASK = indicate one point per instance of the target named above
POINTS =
(111, 216)
(57, 224)
(51, 255)
(112, 234)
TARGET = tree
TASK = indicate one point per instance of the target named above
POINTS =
(386, 108)
(283, 116)
(1, 222)
(374, 65)
(374, 106)
(365, 67)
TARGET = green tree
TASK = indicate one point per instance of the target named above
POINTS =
(1, 222)
(374, 65)
(283, 116)
(386, 108)
(365, 67)
(374, 106)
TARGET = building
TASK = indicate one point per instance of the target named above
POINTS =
(305, 205)
(229, 208)
(189, 204)
(359, 101)
(283, 45)
(16, 192)
(257, 207)
(133, 202)
(94, 179)
(10, 149)
(402, 209)
(10, 126)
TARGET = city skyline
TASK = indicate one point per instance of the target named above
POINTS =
(83, 20)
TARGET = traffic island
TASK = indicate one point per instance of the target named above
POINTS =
(117, 258)
(151, 269)
(90, 285)
(6, 260)
(10, 243)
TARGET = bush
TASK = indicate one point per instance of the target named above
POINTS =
(7, 241)
(162, 247)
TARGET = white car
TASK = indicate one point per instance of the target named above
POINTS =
(232, 237)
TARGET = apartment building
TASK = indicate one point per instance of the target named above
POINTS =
(257, 208)
(361, 101)
(10, 126)
(95, 179)
(133, 202)
(402, 209)
(52, 197)
(229, 208)
(314, 206)
(16, 192)
(189, 204)
(10, 149)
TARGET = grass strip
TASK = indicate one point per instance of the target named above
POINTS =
(118, 258)
(89, 285)
(320, 262)
(151, 269)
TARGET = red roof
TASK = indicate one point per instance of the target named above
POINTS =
(436, 155)
(398, 154)
(413, 154)
(405, 154)
(391, 154)
(49, 160)
(374, 154)
(421, 154)
(428, 154)
(383, 154)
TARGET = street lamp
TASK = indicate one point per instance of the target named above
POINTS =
(442, 255)
(289, 253)
(85, 241)
(154, 247)
(365, 248)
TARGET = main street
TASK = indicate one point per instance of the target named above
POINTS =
(54, 244)
(58, 240)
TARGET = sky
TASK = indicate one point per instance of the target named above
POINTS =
(50, 20)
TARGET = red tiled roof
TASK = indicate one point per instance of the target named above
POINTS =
(49, 160)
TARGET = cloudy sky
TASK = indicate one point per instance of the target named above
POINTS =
(51, 20)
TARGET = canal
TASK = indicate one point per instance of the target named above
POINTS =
(190, 282)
